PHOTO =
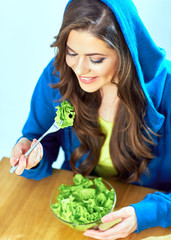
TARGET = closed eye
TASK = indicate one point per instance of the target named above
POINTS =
(70, 54)
(97, 61)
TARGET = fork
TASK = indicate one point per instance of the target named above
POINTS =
(53, 128)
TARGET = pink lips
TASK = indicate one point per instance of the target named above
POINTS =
(87, 80)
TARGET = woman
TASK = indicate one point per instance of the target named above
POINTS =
(118, 81)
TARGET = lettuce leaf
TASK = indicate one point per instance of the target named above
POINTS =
(83, 202)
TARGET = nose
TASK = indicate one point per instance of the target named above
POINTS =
(81, 67)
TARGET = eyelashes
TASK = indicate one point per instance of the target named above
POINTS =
(97, 61)
(91, 60)
(71, 54)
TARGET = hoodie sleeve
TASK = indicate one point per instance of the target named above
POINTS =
(153, 211)
(41, 117)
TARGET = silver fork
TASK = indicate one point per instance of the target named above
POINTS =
(53, 128)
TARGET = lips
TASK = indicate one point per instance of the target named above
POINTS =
(87, 80)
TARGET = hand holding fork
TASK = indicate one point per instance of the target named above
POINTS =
(20, 162)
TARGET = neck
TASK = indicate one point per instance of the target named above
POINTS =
(109, 103)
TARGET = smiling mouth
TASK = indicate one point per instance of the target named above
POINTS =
(87, 80)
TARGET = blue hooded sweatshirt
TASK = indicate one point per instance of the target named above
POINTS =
(154, 73)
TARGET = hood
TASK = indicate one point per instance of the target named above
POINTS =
(148, 58)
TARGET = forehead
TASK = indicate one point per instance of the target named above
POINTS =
(84, 42)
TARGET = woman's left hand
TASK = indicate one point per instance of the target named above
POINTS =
(121, 230)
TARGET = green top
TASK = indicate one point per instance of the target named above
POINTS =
(65, 115)
(105, 167)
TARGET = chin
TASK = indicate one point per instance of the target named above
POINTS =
(88, 88)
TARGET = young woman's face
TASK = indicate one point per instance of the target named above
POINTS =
(92, 61)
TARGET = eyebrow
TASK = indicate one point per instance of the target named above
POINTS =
(88, 54)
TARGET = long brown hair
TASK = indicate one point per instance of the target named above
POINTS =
(131, 141)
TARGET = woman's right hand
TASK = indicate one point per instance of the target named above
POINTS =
(18, 158)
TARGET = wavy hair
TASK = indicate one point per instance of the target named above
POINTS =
(131, 141)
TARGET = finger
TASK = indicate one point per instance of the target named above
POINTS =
(33, 142)
(20, 148)
(15, 155)
(14, 160)
(21, 165)
(38, 156)
(41, 151)
(107, 225)
(35, 156)
(32, 156)
(119, 231)
(122, 213)
(123, 229)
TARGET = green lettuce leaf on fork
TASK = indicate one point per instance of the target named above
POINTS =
(65, 115)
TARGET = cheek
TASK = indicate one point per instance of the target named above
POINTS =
(107, 69)
(69, 62)
(111, 70)
(106, 72)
